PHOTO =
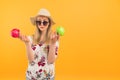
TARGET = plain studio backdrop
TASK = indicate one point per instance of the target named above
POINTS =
(89, 50)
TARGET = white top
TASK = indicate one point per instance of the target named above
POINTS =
(39, 69)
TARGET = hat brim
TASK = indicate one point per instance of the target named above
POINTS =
(33, 20)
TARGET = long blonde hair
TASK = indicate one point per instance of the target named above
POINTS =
(37, 34)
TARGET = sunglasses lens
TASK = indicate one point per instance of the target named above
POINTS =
(38, 22)
(45, 23)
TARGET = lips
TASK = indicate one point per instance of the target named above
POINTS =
(41, 27)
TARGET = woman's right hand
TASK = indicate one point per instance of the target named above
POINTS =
(24, 38)
(29, 50)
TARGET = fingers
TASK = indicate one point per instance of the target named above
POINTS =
(55, 36)
(58, 37)
(23, 38)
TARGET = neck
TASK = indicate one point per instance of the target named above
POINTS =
(43, 36)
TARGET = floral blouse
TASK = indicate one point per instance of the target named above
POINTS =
(39, 69)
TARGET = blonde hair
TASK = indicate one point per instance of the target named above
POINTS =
(37, 34)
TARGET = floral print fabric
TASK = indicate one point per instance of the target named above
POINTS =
(39, 69)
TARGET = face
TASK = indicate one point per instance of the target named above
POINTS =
(42, 23)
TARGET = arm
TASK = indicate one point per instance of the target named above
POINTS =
(52, 48)
(51, 54)
(29, 51)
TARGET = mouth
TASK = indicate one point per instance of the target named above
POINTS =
(41, 27)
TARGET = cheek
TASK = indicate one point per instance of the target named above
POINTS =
(46, 26)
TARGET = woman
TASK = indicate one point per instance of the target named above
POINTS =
(42, 48)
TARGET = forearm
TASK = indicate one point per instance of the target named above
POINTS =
(51, 54)
(29, 51)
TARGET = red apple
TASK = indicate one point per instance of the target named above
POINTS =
(15, 33)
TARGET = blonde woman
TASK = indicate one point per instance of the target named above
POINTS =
(41, 48)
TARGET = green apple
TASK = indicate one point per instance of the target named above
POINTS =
(60, 30)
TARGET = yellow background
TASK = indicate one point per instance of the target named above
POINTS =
(89, 50)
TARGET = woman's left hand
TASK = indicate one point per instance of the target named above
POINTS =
(54, 37)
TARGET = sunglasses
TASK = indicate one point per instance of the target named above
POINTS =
(42, 22)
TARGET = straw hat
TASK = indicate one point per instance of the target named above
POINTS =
(42, 12)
